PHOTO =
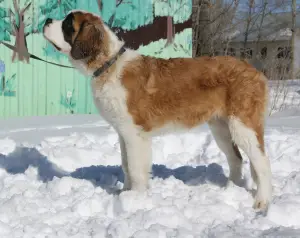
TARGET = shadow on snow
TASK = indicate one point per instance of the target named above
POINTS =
(106, 176)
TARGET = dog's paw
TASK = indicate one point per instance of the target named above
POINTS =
(127, 185)
(261, 205)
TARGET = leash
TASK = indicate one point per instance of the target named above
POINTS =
(97, 73)
(13, 48)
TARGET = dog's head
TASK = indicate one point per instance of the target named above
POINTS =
(80, 35)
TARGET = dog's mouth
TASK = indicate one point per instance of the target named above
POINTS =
(52, 43)
(56, 47)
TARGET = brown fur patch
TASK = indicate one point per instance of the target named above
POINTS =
(192, 91)
(89, 38)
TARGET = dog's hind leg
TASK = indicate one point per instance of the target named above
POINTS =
(222, 136)
(251, 141)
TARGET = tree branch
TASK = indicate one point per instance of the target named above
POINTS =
(261, 24)
(16, 7)
(179, 8)
(112, 17)
(226, 10)
(11, 13)
(12, 32)
(15, 27)
(25, 9)
(119, 2)
(14, 24)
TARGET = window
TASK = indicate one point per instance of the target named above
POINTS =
(284, 52)
(246, 53)
(230, 51)
(264, 52)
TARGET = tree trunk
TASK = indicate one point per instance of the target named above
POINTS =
(170, 30)
(257, 60)
(293, 42)
(260, 26)
(21, 45)
(249, 20)
(100, 5)
(19, 31)
(201, 28)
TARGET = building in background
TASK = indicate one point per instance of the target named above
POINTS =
(260, 31)
(269, 45)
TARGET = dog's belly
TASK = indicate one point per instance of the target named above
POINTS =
(168, 128)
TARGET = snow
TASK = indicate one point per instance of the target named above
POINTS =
(60, 176)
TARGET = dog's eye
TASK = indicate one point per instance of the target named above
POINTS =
(68, 26)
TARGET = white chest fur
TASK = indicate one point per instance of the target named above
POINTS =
(110, 98)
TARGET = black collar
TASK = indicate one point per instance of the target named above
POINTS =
(109, 63)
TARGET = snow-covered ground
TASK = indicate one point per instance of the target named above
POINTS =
(59, 176)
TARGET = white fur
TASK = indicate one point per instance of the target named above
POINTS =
(114, 43)
(246, 139)
(110, 100)
(53, 32)
(221, 133)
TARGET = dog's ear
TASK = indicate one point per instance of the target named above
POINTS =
(87, 41)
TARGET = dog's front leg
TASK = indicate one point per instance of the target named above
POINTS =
(124, 163)
(139, 161)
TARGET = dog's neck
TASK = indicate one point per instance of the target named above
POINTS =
(109, 63)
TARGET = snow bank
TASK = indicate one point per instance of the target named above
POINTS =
(61, 180)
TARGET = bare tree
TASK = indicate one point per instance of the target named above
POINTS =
(293, 29)
(248, 22)
(212, 22)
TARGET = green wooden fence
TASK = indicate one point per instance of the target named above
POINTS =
(161, 28)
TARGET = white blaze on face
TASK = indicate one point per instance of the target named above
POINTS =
(53, 32)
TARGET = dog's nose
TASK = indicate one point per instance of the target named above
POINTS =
(48, 21)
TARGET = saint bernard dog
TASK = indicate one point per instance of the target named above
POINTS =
(142, 96)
